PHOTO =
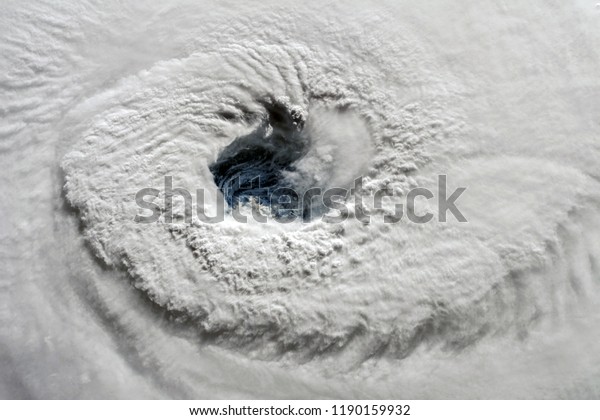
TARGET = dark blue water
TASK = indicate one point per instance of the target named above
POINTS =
(253, 166)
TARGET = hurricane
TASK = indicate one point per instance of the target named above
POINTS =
(231, 110)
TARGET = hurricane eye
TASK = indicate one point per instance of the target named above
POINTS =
(254, 166)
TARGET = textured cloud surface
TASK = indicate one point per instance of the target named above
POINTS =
(101, 100)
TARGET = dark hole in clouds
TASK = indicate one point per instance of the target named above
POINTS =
(254, 166)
